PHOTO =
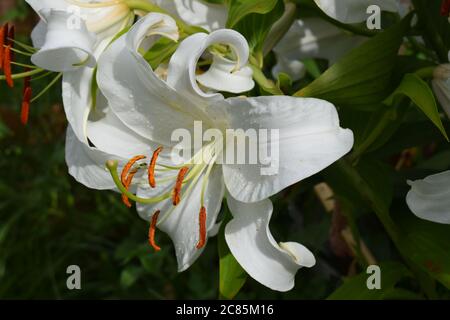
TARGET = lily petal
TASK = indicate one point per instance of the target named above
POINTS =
(38, 34)
(198, 13)
(78, 99)
(429, 198)
(126, 79)
(353, 11)
(110, 135)
(39, 5)
(441, 89)
(66, 48)
(87, 164)
(77, 88)
(312, 38)
(181, 222)
(441, 86)
(183, 65)
(222, 77)
(310, 139)
(251, 243)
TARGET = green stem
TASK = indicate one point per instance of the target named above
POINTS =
(264, 83)
(347, 170)
(374, 135)
(426, 73)
(47, 87)
(150, 7)
(280, 28)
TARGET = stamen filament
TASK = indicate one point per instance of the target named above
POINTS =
(205, 181)
(165, 167)
(30, 49)
(151, 167)
(202, 228)
(29, 66)
(47, 87)
(111, 165)
(176, 196)
(42, 75)
(187, 193)
(151, 232)
(23, 53)
(96, 5)
(23, 74)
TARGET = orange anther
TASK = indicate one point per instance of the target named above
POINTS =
(128, 166)
(3, 35)
(151, 167)
(151, 232)
(176, 195)
(7, 66)
(25, 110)
(127, 184)
(202, 228)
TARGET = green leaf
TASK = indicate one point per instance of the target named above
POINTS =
(238, 9)
(355, 288)
(428, 246)
(420, 93)
(232, 276)
(255, 27)
(160, 52)
(129, 276)
(362, 78)
(436, 29)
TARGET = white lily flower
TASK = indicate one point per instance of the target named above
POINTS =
(311, 38)
(209, 16)
(354, 11)
(184, 200)
(307, 38)
(441, 86)
(64, 48)
(429, 198)
(71, 35)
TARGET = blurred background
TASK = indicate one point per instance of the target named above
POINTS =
(48, 221)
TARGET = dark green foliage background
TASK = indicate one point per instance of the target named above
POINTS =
(48, 221)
